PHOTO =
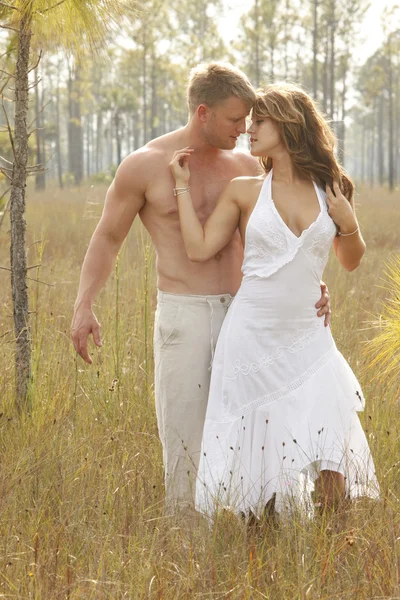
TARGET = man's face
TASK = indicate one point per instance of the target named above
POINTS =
(224, 122)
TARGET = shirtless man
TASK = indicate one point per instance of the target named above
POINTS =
(192, 297)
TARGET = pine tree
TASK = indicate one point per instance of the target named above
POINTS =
(72, 23)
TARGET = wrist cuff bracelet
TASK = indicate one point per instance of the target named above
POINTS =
(179, 191)
(346, 234)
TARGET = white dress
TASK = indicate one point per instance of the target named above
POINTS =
(283, 400)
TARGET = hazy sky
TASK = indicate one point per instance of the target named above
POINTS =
(371, 30)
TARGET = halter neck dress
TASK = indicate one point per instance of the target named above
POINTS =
(283, 401)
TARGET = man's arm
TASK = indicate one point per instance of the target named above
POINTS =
(124, 199)
(324, 304)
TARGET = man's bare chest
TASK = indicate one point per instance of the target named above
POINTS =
(206, 185)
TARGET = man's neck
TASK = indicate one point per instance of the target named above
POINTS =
(192, 137)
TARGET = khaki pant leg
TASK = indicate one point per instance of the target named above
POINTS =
(184, 335)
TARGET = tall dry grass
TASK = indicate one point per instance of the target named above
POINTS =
(81, 483)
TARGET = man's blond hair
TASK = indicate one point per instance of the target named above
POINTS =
(215, 82)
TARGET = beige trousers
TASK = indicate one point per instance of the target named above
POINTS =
(185, 333)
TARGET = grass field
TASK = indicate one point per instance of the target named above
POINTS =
(81, 482)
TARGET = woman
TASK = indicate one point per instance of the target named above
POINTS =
(281, 417)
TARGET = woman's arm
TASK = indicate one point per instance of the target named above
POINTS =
(349, 245)
(203, 242)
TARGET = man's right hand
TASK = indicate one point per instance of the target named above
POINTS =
(83, 324)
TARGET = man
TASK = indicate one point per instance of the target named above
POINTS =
(192, 297)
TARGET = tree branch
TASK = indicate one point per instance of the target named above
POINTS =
(6, 161)
(34, 243)
(5, 208)
(37, 166)
(4, 86)
(7, 73)
(8, 5)
(34, 84)
(33, 170)
(30, 278)
(32, 173)
(39, 281)
(51, 7)
(38, 61)
(5, 174)
(10, 135)
(6, 333)
(36, 118)
(33, 131)
(4, 194)
(8, 27)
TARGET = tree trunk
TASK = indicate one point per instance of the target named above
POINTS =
(381, 155)
(87, 144)
(18, 224)
(43, 135)
(154, 97)
(144, 92)
(325, 77)
(40, 177)
(363, 150)
(109, 138)
(136, 131)
(342, 127)
(397, 131)
(75, 137)
(91, 142)
(286, 43)
(99, 135)
(372, 150)
(58, 135)
(315, 48)
(272, 61)
(257, 44)
(332, 62)
(117, 125)
(390, 120)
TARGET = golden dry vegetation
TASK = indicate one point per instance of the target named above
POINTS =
(81, 483)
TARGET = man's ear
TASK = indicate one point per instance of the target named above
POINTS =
(202, 112)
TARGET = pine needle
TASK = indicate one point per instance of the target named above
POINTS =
(384, 348)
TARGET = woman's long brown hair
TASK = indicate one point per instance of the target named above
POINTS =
(306, 134)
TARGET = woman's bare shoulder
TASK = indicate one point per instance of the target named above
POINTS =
(248, 182)
(244, 189)
(246, 185)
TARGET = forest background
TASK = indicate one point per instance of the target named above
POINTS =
(81, 479)
(92, 111)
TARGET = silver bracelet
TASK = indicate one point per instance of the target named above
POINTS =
(179, 191)
(346, 234)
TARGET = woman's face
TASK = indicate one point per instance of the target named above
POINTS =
(264, 136)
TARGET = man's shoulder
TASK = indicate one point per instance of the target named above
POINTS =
(156, 150)
(166, 144)
(142, 162)
(144, 154)
(139, 167)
